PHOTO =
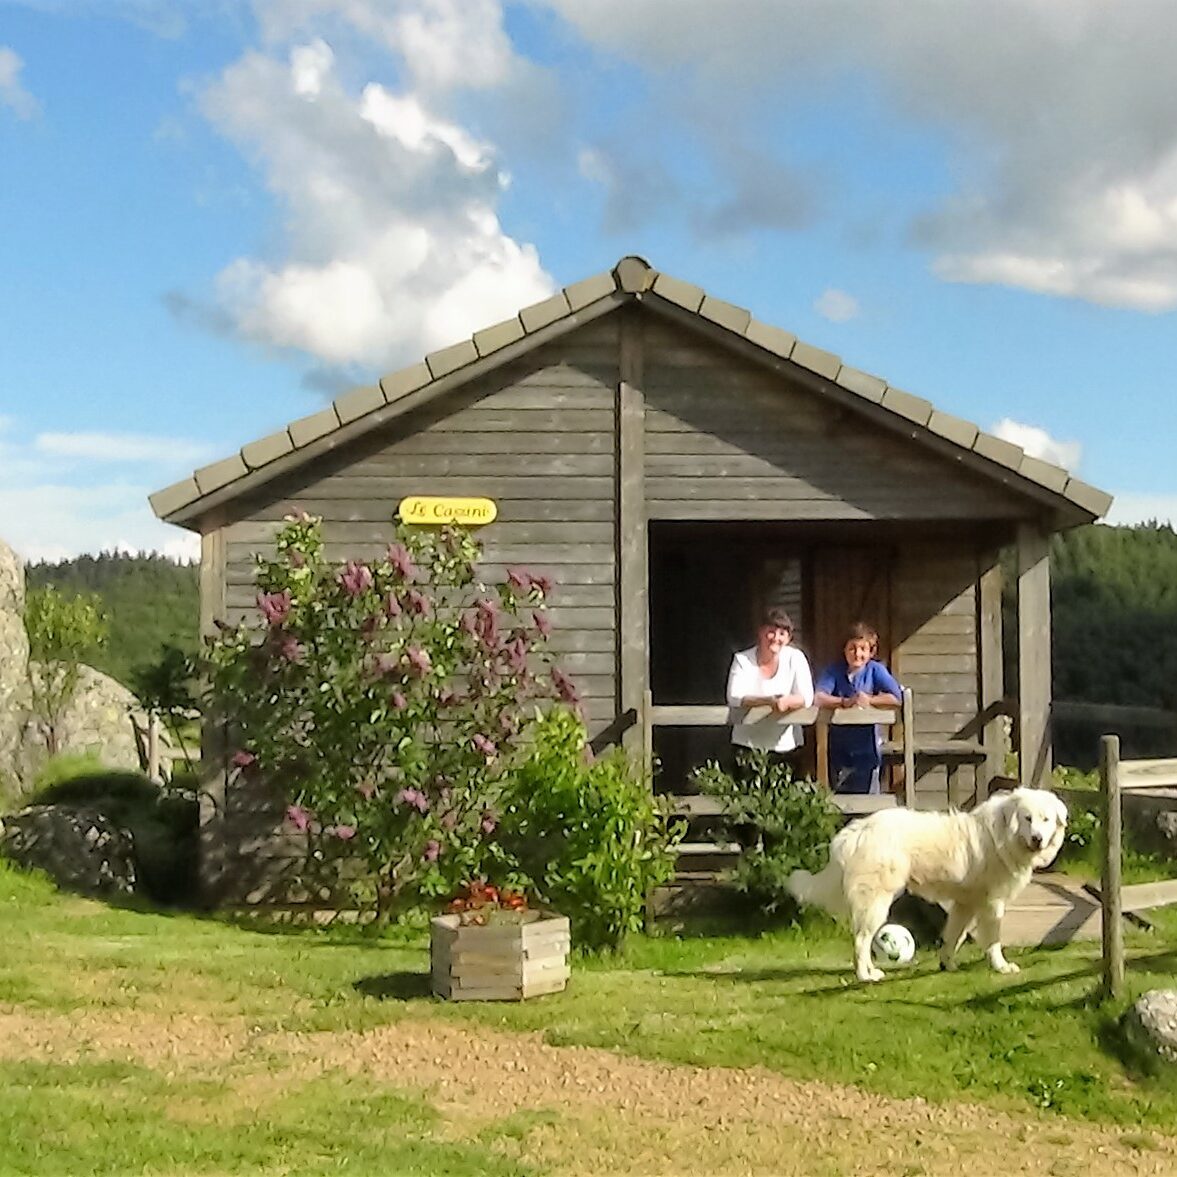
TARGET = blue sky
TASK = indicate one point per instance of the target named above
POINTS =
(215, 214)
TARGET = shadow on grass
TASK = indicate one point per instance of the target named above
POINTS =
(403, 986)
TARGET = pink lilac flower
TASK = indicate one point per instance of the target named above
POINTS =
(356, 579)
(516, 651)
(398, 701)
(415, 798)
(392, 607)
(445, 697)
(385, 663)
(469, 622)
(489, 822)
(292, 649)
(432, 851)
(543, 583)
(517, 578)
(485, 746)
(565, 687)
(417, 602)
(402, 561)
(343, 833)
(244, 759)
(419, 660)
(543, 623)
(298, 817)
(487, 623)
(275, 607)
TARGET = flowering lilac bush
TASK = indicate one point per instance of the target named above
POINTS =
(386, 700)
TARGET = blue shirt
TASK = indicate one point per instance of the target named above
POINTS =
(850, 742)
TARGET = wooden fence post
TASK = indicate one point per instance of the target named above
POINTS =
(1111, 899)
(153, 764)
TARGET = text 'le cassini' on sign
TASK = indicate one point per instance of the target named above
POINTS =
(435, 509)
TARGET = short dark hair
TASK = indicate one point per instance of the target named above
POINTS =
(776, 618)
(861, 630)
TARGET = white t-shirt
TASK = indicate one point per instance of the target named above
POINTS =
(744, 679)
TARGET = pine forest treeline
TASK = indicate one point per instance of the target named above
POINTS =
(151, 602)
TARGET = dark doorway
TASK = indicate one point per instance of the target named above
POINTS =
(709, 583)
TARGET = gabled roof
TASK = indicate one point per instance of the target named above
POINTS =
(363, 409)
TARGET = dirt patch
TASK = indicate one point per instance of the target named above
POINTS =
(161, 1043)
(582, 1110)
(629, 1115)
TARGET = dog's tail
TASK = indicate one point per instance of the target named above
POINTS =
(823, 889)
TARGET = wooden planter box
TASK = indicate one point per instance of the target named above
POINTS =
(499, 962)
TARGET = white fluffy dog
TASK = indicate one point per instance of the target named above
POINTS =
(972, 864)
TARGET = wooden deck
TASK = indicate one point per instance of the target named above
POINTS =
(1053, 909)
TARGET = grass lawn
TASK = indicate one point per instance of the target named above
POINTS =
(782, 1000)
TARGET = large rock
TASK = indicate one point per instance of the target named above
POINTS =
(80, 850)
(1151, 1024)
(14, 657)
(98, 720)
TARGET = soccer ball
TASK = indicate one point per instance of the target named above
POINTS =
(894, 943)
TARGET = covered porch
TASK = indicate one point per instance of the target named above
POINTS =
(934, 593)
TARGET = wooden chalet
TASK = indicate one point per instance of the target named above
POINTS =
(673, 464)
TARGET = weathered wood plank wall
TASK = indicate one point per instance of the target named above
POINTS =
(726, 439)
(540, 438)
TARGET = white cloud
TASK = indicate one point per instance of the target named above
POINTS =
(393, 245)
(53, 522)
(1038, 443)
(1062, 165)
(51, 508)
(1143, 508)
(836, 305)
(12, 93)
(444, 44)
(123, 447)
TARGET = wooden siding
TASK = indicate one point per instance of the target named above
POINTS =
(727, 439)
(538, 437)
(934, 635)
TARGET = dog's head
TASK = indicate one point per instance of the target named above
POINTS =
(1037, 822)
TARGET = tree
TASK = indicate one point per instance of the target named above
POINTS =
(64, 631)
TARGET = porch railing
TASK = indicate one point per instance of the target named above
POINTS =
(819, 718)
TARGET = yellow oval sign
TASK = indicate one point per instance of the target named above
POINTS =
(434, 509)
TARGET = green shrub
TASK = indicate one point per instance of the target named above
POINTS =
(588, 835)
(65, 766)
(388, 701)
(786, 824)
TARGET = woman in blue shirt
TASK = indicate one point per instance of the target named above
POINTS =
(857, 680)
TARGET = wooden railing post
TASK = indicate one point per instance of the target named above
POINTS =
(1111, 899)
(822, 732)
(908, 748)
(646, 720)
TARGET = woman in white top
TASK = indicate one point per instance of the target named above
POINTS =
(771, 674)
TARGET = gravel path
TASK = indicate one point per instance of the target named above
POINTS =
(583, 1110)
